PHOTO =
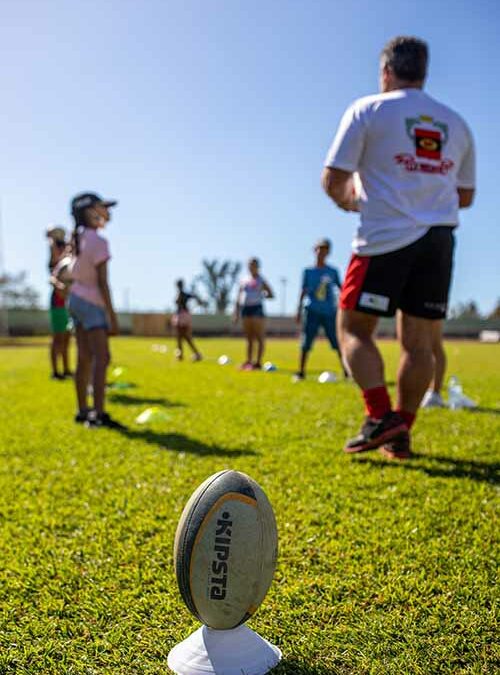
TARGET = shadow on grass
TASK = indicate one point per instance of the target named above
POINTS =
(482, 409)
(292, 667)
(124, 399)
(181, 443)
(444, 467)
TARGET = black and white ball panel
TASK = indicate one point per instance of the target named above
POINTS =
(226, 549)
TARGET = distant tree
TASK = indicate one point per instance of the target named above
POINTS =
(218, 279)
(466, 310)
(495, 314)
(15, 292)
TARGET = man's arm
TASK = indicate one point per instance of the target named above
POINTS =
(465, 197)
(338, 185)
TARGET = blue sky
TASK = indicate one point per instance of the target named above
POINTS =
(209, 121)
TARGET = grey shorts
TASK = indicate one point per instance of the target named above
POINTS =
(86, 314)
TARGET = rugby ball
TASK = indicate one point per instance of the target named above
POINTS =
(225, 550)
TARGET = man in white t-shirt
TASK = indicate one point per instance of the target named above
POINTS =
(406, 163)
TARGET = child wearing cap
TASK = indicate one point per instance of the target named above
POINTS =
(318, 297)
(250, 304)
(91, 306)
(60, 322)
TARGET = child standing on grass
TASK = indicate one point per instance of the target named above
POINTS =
(91, 306)
(183, 322)
(59, 317)
(250, 304)
(318, 294)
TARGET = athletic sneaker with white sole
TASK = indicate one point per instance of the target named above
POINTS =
(375, 433)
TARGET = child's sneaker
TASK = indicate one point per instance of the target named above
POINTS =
(95, 421)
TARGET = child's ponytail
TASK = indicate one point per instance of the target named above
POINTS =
(79, 222)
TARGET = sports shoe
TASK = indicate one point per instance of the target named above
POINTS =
(298, 377)
(399, 448)
(432, 399)
(256, 366)
(376, 432)
(196, 357)
(57, 376)
(95, 421)
(246, 366)
(82, 416)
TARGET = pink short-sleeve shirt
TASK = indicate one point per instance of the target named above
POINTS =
(94, 250)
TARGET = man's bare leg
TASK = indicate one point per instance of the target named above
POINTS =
(355, 331)
(416, 362)
(356, 334)
(439, 356)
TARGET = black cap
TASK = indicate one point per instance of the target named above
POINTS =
(88, 199)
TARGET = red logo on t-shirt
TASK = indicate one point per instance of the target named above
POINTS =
(428, 143)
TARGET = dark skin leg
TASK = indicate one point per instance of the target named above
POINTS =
(54, 352)
(83, 367)
(260, 335)
(303, 361)
(187, 335)
(98, 344)
(249, 334)
(180, 336)
(66, 337)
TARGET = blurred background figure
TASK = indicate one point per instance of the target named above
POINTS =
(250, 305)
(318, 297)
(183, 322)
(60, 323)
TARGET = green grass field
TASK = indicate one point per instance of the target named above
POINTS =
(383, 567)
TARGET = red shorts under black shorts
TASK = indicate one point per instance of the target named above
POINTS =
(415, 279)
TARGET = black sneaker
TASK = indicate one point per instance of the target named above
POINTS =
(95, 421)
(298, 377)
(375, 433)
(82, 416)
(57, 376)
(399, 448)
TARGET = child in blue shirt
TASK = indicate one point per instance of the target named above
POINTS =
(318, 298)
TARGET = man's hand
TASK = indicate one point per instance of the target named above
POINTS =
(339, 186)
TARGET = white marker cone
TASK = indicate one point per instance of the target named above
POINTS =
(153, 414)
(326, 377)
(239, 651)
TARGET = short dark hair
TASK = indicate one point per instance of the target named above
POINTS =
(407, 57)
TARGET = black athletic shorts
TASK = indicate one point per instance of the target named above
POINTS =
(415, 279)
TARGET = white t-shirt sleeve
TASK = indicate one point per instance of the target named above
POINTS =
(466, 175)
(348, 144)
